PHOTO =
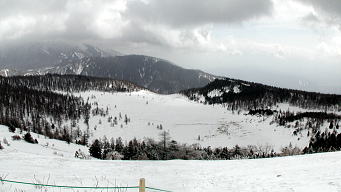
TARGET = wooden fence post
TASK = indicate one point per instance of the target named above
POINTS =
(142, 185)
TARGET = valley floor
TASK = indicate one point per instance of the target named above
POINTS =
(186, 121)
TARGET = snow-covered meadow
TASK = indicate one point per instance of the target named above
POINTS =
(187, 121)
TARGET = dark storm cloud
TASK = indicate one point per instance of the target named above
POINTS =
(85, 19)
(152, 20)
(198, 12)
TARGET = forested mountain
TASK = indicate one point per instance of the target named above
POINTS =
(56, 57)
(155, 74)
(238, 94)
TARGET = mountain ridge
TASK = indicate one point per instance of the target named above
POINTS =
(249, 95)
(153, 73)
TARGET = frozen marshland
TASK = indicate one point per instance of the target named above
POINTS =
(186, 121)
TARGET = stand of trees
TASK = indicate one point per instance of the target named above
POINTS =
(324, 142)
(167, 149)
(69, 83)
(291, 117)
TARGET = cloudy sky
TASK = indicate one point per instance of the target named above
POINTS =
(288, 43)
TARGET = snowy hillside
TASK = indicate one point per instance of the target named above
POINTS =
(45, 146)
(37, 163)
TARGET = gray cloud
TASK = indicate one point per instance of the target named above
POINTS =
(159, 22)
(329, 11)
(32, 7)
(198, 12)
(311, 18)
(331, 7)
(54, 19)
(90, 20)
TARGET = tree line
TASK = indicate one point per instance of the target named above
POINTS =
(70, 83)
(167, 149)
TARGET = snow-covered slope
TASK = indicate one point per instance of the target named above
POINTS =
(45, 146)
(39, 164)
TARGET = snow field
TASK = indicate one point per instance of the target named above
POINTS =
(186, 121)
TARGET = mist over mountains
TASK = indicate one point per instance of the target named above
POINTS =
(38, 55)
(153, 73)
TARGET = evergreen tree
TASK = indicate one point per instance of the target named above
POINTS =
(106, 147)
(165, 138)
(95, 149)
(119, 145)
(331, 125)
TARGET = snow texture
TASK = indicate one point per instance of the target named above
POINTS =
(36, 163)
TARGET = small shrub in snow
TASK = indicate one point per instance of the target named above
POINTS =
(80, 154)
(16, 137)
(11, 128)
(290, 150)
(114, 155)
(1, 147)
(28, 138)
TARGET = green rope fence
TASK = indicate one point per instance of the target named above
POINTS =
(78, 187)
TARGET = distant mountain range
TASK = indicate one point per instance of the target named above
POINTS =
(38, 55)
(152, 73)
